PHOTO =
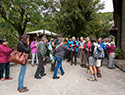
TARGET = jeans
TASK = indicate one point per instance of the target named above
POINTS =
(33, 58)
(6, 67)
(21, 76)
(59, 65)
(40, 69)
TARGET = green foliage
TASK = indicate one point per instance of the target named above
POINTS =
(20, 13)
(106, 23)
(118, 52)
(78, 17)
(66, 17)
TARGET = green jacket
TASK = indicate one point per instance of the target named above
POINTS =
(41, 49)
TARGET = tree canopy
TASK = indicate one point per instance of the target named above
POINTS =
(66, 17)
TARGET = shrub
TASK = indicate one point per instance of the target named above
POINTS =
(118, 52)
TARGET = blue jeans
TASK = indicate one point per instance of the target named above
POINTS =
(59, 65)
(21, 76)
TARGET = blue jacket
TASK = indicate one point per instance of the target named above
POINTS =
(76, 45)
(103, 46)
(68, 43)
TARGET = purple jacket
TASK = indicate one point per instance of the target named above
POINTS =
(33, 46)
(110, 48)
(4, 53)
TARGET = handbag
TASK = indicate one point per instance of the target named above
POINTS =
(18, 57)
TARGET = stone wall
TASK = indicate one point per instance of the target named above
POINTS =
(123, 27)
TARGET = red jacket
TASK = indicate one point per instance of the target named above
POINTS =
(110, 48)
(4, 53)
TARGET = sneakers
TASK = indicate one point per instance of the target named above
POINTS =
(96, 79)
(91, 78)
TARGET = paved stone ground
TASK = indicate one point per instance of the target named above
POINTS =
(74, 82)
(120, 63)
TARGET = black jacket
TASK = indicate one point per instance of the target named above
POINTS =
(21, 47)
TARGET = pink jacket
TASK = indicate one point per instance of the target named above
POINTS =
(4, 53)
(33, 47)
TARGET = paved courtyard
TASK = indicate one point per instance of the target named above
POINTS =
(74, 82)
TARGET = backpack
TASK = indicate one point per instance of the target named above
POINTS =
(98, 52)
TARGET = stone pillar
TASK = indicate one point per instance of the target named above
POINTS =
(123, 27)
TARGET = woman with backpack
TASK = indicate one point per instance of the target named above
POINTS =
(92, 62)
(99, 60)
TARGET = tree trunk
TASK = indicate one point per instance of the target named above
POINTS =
(20, 32)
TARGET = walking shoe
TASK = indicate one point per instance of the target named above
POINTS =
(62, 74)
(96, 79)
(71, 63)
(9, 78)
(82, 65)
(68, 60)
(43, 75)
(2, 79)
(75, 63)
(111, 67)
(37, 77)
(56, 77)
(23, 90)
(91, 79)
(99, 75)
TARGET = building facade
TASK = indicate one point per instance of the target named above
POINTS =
(119, 20)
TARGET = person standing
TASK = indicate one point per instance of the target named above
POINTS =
(86, 48)
(111, 52)
(74, 52)
(54, 43)
(34, 51)
(4, 57)
(99, 61)
(59, 54)
(82, 52)
(92, 62)
(23, 46)
(41, 53)
(68, 44)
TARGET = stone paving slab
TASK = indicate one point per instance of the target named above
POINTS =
(120, 63)
(74, 82)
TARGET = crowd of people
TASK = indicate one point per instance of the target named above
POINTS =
(91, 52)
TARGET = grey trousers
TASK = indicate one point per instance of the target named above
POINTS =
(40, 69)
(111, 61)
(34, 55)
